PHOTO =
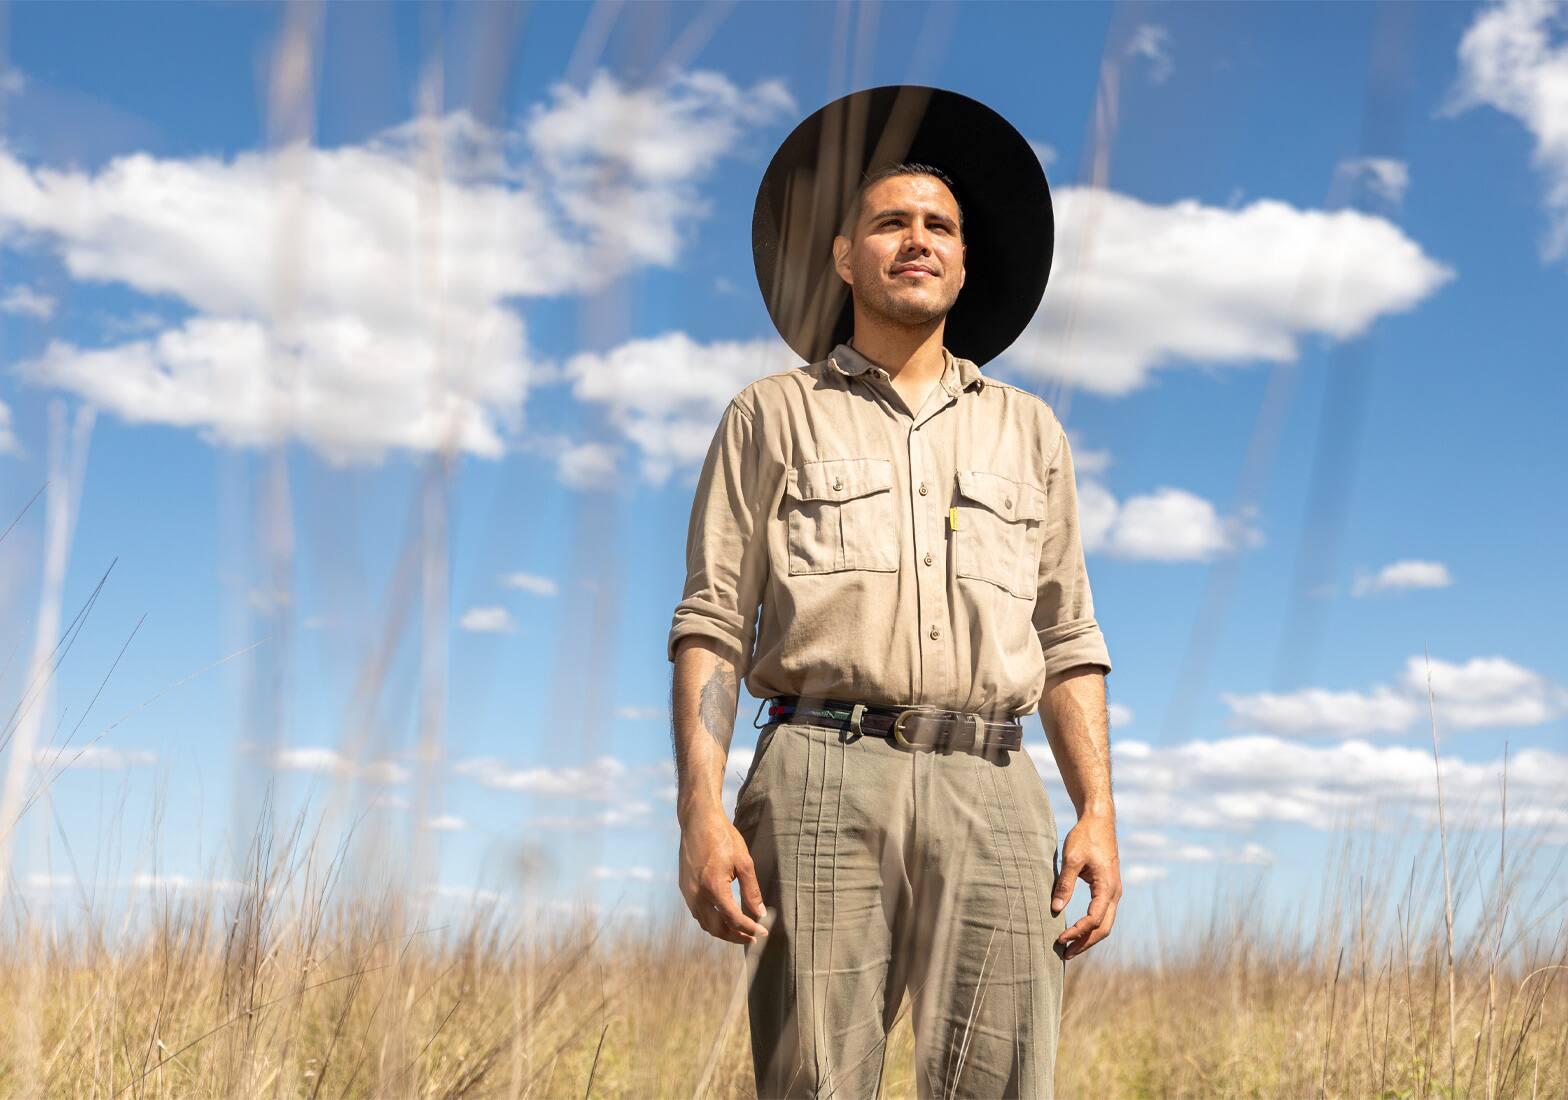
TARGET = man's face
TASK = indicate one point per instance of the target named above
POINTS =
(906, 262)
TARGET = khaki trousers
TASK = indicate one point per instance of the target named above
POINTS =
(890, 869)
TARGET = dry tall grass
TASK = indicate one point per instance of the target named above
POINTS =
(294, 985)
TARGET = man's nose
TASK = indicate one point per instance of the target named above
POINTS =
(918, 239)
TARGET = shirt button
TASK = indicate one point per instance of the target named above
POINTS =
(922, 488)
(929, 559)
(838, 483)
(1009, 499)
(936, 632)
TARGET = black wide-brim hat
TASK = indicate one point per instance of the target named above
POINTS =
(804, 198)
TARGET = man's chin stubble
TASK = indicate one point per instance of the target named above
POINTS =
(908, 313)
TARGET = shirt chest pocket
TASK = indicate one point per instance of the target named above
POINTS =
(999, 531)
(839, 513)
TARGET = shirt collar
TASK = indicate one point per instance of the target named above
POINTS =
(850, 362)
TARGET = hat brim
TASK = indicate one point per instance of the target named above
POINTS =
(802, 203)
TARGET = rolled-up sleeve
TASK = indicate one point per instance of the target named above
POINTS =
(1064, 606)
(726, 551)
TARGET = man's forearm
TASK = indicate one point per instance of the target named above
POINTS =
(1073, 712)
(703, 699)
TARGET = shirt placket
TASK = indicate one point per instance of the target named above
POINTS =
(928, 514)
(927, 511)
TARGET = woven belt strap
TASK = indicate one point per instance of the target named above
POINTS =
(913, 727)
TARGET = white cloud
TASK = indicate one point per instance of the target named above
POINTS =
(1400, 575)
(445, 823)
(588, 465)
(349, 388)
(471, 894)
(1046, 153)
(658, 135)
(529, 582)
(1165, 525)
(631, 814)
(93, 756)
(1134, 873)
(145, 880)
(642, 714)
(389, 330)
(1138, 287)
(487, 620)
(1317, 710)
(133, 324)
(1513, 57)
(184, 884)
(320, 760)
(603, 778)
(737, 765)
(579, 463)
(27, 302)
(323, 761)
(1384, 177)
(616, 874)
(1231, 784)
(1120, 716)
(8, 441)
(666, 393)
(1150, 846)
(1255, 853)
(385, 772)
(268, 599)
(1087, 460)
(1151, 41)
(1485, 691)
(1482, 692)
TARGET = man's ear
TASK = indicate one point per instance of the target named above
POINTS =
(963, 268)
(840, 251)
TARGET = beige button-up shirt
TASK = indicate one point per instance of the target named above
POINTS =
(846, 547)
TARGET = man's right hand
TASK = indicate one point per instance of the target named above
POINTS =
(713, 855)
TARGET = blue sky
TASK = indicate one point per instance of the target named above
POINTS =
(1303, 326)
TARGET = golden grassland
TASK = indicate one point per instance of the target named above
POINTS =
(293, 986)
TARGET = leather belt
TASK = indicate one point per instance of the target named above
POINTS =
(914, 727)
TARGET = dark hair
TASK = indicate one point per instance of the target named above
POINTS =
(904, 168)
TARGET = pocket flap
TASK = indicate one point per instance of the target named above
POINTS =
(1012, 500)
(839, 478)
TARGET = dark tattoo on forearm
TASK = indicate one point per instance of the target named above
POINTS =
(717, 706)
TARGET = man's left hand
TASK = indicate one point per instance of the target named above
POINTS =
(1089, 853)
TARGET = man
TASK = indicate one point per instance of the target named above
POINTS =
(909, 529)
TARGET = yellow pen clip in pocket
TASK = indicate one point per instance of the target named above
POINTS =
(952, 519)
